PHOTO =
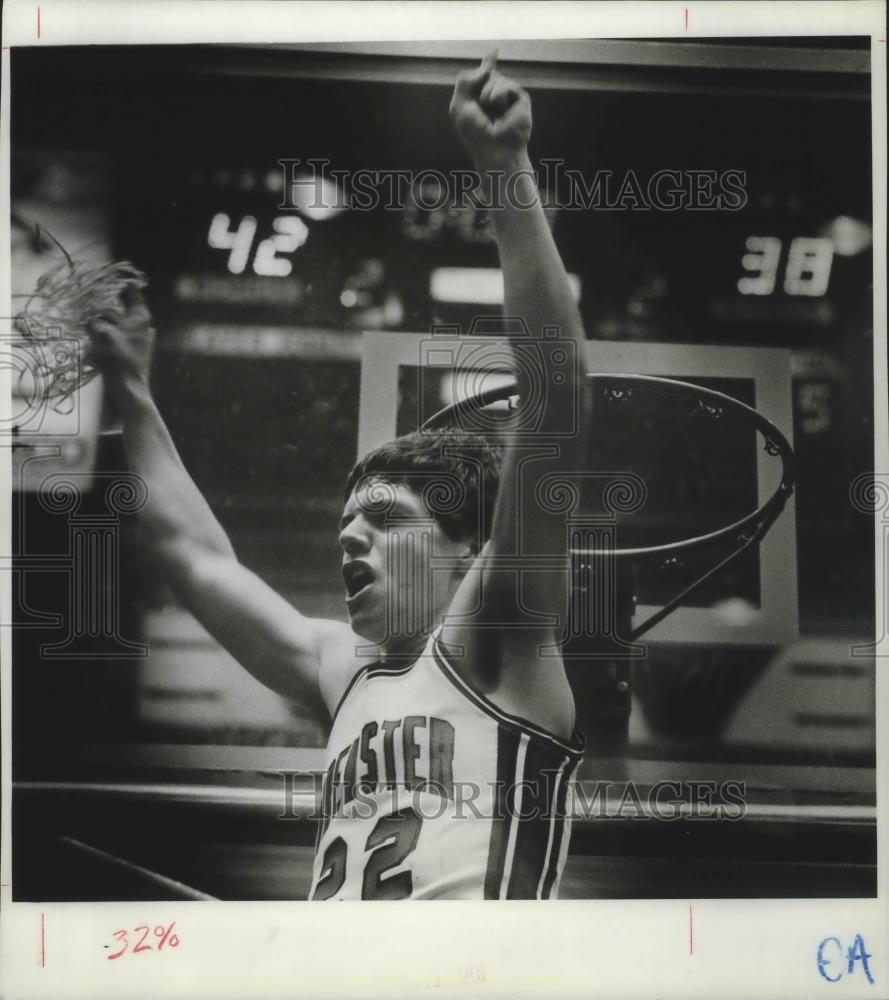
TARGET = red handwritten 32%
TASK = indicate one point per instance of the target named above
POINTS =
(164, 934)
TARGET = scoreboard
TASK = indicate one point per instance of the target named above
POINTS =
(762, 272)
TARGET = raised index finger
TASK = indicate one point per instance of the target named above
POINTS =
(489, 63)
(470, 82)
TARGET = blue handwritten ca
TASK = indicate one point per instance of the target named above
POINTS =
(855, 953)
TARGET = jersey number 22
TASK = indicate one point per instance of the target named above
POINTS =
(390, 841)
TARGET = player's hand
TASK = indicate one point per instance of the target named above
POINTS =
(492, 116)
(123, 347)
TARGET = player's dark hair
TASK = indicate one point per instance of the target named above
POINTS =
(455, 472)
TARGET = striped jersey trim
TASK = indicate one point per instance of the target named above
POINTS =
(375, 669)
(561, 835)
(514, 821)
(348, 690)
(507, 748)
(544, 886)
(380, 668)
(529, 830)
(575, 746)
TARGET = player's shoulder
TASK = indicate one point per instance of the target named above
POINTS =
(342, 655)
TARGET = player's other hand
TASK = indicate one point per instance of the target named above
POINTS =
(122, 347)
(492, 116)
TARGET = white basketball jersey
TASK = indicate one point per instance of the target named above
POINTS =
(432, 792)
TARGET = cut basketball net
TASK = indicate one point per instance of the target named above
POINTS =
(65, 306)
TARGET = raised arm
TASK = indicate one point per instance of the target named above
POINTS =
(492, 116)
(274, 642)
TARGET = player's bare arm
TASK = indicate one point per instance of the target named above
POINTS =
(492, 116)
(282, 648)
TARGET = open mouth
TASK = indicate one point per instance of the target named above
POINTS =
(357, 576)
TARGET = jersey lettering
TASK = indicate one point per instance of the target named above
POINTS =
(441, 756)
(411, 750)
(368, 757)
(389, 728)
(400, 757)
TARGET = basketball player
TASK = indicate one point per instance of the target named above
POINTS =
(452, 740)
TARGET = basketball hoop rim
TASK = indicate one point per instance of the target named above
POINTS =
(751, 527)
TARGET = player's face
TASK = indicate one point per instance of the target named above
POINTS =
(388, 538)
